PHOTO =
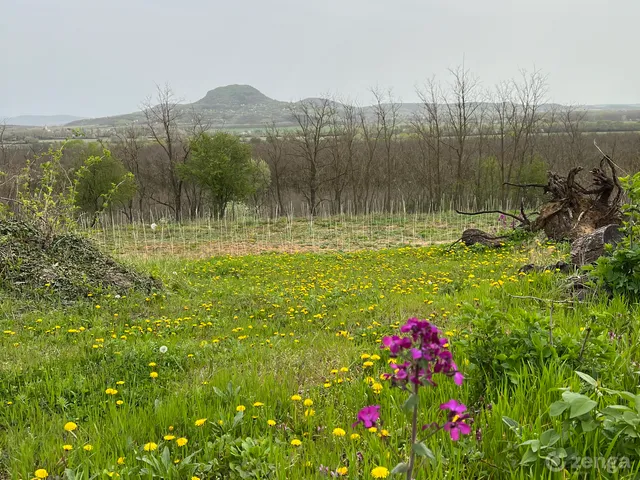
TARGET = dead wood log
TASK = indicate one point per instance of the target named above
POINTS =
(588, 248)
(472, 236)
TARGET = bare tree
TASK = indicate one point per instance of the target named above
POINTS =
(313, 118)
(130, 143)
(363, 180)
(427, 125)
(3, 146)
(342, 136)
(387, 112)
(163, 120)
(460, 110)
(276, 159)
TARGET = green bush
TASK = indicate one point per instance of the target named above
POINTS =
(619, 272)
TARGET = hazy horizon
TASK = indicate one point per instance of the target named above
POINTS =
(91, 60)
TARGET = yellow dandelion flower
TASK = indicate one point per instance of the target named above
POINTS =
(295, 442)
(377, 387)
(120, 460)
(67, 447)
(153, 374)
(342, 471)
(308, 402)
(240, 408)
(380, 472)
(152, 364)
(119, 402)
(339, 432)
(296, 398)
(309, 412)
(355, 436)
(271, 423)
(88, 447)
(150, 447)
(200, 422)
(181, 442)
(41, 473)
(70, 426)
(168, 438)
(367, 364)
(258, 404)
(111, 391)
(372, 429)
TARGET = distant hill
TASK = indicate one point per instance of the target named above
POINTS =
(41, 120)
(245, 106)
(231, 106)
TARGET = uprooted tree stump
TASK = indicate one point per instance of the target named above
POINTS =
(586, 216)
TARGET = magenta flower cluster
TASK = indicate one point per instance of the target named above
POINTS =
(420, 355)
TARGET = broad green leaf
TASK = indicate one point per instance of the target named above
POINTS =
(400, 468)
(558, 408)
(580, 404)
(421, 450)
(587, 378)
(411, 403)
(534, 444)
(549, 438)
(529, 457)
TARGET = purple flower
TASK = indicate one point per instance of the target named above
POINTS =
(456, 424)
(368, 416)
(454, 407)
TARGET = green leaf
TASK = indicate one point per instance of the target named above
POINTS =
(402, 467)
(587, 378)
(580, 404)
(529, 457)
(549, 438)
(533, 444)
(558, 408)
(411, 403)
(512, 424)
(421, 450)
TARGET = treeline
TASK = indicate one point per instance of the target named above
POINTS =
(465, 145)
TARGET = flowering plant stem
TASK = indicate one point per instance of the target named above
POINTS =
(414, 432)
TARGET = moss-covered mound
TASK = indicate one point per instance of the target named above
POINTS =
(67, 266)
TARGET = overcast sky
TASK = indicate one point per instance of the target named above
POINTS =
(99, 57)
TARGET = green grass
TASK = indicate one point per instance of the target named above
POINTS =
(265, 327)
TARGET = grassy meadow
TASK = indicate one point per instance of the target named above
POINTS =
(254, 362)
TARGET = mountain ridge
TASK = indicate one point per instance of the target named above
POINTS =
(240, 105)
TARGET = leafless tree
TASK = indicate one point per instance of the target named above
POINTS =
(427, 124)
(460, 110)
(163, 119)
(313, 118)
(275, 156)
(363, 180)
(130, 143)
(387, 112)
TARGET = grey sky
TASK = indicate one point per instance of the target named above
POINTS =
(97, 57)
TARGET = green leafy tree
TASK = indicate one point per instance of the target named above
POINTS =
(222, 166)
(101, 182)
